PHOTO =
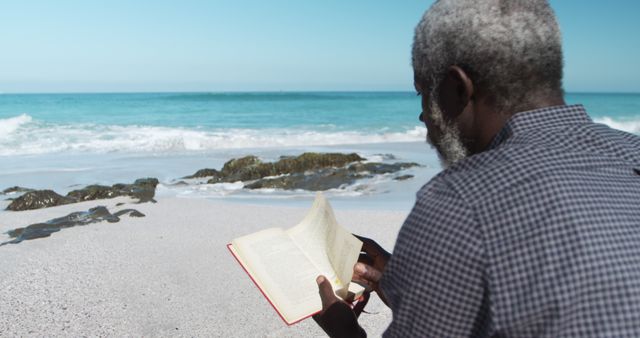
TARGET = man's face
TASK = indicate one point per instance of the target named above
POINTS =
(442, 133)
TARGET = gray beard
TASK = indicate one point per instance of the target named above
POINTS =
(449, 147)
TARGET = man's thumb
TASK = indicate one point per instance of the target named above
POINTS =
(326, 292)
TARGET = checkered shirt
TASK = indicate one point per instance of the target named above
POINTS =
(539, 236)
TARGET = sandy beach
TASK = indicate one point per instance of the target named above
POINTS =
(166, 274)
(139, 138)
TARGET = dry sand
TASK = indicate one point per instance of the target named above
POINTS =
(167, 274)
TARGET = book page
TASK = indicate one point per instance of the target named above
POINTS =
(282, 271)
(344, 250)
(332, 248)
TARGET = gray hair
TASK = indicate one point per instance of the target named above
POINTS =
(511, 49)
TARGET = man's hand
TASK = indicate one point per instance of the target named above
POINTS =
(337, 319)
(327, 295)
(371, 263)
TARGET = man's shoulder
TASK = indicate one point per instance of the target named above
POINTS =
(463, 178)
(543, 156)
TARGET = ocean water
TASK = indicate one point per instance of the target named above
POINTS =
(61, 141)
(164, 123)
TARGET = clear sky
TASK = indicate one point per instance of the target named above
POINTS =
(259, 45)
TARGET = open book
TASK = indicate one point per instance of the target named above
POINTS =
(284, 264)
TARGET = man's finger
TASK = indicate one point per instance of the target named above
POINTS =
(326, 292)
(367, 272)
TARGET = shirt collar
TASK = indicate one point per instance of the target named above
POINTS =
(544, 118)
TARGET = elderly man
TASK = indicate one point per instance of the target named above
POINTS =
(533, 228)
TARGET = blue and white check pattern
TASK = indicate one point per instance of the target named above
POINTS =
(539, 236)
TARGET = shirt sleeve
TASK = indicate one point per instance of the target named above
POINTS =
(435, 280)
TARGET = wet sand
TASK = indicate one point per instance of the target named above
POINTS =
(166, 274)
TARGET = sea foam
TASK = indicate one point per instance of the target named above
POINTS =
(630, 126)
(10, 125)
(23, 135)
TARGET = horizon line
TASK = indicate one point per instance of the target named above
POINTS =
(265, 92)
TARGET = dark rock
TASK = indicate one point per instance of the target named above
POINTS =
(238, 164)
(144, 193)
(148, 182)
(136, 213)
(309, 171)
(131, 212)
(94, 215)
(40, 230)
(204, 173)
(314, 161)
(143, 189)
(251, 168)
(314, 181)
(329, 178)
(381, 168)
(38, 199)
(244, 169)
(15, 189)
(94, 192)
(403, 177)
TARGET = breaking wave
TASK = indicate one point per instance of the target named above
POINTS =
(10, 125)
(22, 135)
(630, 126)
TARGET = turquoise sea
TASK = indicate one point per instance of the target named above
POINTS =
(60, 141)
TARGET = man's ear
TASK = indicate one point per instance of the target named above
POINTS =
(456, 92)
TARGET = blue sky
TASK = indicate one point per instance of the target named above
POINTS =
(257, 45)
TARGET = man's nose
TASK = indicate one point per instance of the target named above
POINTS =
(420, 117)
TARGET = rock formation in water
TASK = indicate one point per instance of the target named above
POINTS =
(204, 173)
(250, 168)
(143, 189)
(328, 178)
(38, 199)
(309, 171)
